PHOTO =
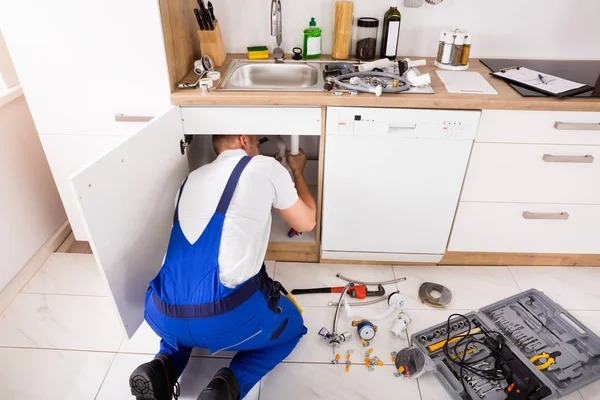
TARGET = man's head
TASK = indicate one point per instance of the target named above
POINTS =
(248, 143)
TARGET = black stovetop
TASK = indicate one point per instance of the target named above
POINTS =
(587, 72)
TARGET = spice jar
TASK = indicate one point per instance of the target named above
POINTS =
(441, 44)
(457, 49)
(366, 38)
(342, 29)
(448, 42)
(466, 51)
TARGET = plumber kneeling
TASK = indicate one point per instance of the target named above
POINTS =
(213, 291)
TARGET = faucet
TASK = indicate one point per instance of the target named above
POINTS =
(276, 29)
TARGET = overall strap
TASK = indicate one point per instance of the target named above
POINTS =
(231, 185)
(176, 216)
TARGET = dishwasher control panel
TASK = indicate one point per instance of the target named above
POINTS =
(442, 124)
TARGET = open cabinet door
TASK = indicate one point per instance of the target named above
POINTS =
(127, 199)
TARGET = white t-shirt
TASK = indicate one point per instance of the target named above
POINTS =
(264, 184)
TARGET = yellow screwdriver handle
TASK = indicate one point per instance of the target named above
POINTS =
(289, 296)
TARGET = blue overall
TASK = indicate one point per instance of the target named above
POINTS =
(188, 306)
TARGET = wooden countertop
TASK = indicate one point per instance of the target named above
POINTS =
(506, 99)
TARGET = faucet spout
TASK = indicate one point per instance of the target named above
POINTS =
(277, 28)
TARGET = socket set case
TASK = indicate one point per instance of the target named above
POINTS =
(532, 324)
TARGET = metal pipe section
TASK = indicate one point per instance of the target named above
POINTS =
(370, 283)
(337, 310)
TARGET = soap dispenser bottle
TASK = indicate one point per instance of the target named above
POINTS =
(312, 40)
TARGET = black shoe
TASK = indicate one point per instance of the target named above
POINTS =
(224, 386)
(155, 380)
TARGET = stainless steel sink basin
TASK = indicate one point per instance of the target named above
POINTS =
(288, 76)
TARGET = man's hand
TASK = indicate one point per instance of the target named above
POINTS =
(297, 162)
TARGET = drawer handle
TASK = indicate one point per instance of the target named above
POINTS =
(587, 159)
(132, 118)
(533, 215)
(576, 126)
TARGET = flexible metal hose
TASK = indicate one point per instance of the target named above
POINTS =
(402, 87)
(370, 283)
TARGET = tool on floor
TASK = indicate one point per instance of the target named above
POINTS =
(359, 282)
(426, 296)
(278, 286)
(365, 303)
(358, 291)
(366, 329)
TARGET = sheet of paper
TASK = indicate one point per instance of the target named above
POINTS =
(548, 83)
(465, 82)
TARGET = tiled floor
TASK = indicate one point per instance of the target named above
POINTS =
(60, 338)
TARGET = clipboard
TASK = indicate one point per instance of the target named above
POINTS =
(548, 84)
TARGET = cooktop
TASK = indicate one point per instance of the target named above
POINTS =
(587, 72)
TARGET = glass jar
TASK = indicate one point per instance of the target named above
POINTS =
(342, 29)
(366, 38)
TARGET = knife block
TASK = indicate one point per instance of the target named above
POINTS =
(211, 44)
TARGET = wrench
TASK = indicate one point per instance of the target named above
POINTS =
(473, 383)
(494, 388)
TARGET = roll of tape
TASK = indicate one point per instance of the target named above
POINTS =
(214, 75)
(206, 82)
(198, 67)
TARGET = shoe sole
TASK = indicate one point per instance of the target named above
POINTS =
(141, 385)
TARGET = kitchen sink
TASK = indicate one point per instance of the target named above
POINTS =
(287, 76)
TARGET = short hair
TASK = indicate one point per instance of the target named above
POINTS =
(222, 142)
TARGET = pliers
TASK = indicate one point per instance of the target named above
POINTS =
(550, 359)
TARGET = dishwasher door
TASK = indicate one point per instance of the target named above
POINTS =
(390, 197)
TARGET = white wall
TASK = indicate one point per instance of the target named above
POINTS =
(30, 208)
(550, 29)
(8, 75)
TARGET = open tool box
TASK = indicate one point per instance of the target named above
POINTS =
(547, 353)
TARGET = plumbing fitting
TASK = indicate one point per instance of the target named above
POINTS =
(334, 338)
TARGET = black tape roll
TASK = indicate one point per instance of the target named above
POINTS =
(438, 302)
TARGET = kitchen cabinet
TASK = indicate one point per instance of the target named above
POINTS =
(81, 63)
(531, 185)
(67, 154)
(127, 197)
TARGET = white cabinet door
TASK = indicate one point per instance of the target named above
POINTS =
(532, 173)
(68, 154)
(82, 62)
(127, 200)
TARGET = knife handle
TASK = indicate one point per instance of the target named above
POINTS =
(199, 19)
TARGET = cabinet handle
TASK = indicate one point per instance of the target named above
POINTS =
(132, 118)
(534, 215)
(576, 126)
(587, 159)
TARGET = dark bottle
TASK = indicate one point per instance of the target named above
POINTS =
(391, 33)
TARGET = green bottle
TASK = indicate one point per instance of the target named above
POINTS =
(312, 40)
(391, 33)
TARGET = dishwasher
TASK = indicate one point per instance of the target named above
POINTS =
(392, 180)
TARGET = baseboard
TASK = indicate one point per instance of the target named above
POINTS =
(33, 265)
(520, 259)
(379, 258)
